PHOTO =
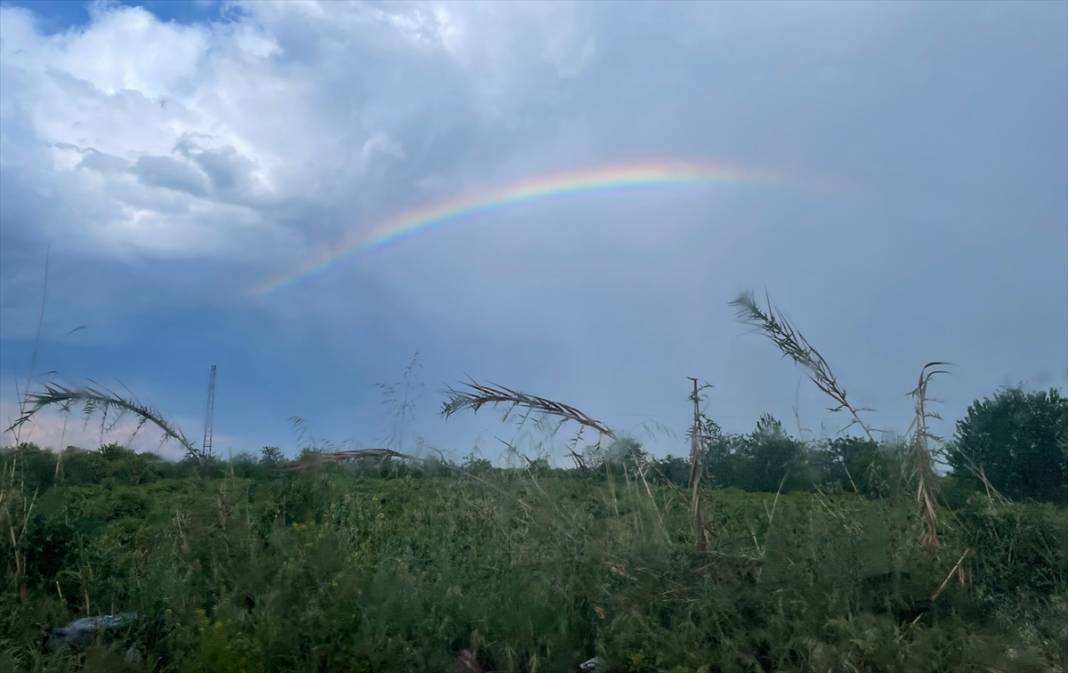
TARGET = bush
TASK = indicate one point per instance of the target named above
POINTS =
(1019, 548)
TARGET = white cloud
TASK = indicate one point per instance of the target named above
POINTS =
(137, 124)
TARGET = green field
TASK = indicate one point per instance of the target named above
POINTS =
(525, 570)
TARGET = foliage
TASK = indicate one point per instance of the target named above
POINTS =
(534, 569)
(1020, 549)
(877, 469)
(271, 456)
(331, 571)
(1019, 441)
(761, 460)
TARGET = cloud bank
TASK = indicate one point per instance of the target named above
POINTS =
(172, 167)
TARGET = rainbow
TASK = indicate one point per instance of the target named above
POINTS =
(647, 173)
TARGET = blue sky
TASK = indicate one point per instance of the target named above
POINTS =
(168, 157)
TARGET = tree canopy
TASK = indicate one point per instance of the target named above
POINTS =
(1019, 441)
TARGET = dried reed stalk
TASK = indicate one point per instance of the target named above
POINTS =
(957, 570)
(789, 340)
(93, 398)
(694, 481)
(920, 455)
(477, 395)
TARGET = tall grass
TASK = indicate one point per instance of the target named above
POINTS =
(523, 571)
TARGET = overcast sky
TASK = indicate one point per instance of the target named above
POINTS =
(169, 158)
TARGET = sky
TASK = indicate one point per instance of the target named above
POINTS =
(178, 182)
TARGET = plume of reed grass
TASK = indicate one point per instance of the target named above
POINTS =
(94, 398)
(476, 395)
(792, 344)
(920, 454)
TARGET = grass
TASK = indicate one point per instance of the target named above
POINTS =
(332, 571)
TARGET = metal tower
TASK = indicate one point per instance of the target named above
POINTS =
(209, 417)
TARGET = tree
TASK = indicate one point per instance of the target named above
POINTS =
(624, 451)
(1019, 441)
(759, 461)
(673, 470)
(37, 466)
(875, 468)
(271, 456)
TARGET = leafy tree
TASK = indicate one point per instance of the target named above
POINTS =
(247, 466)
(721, 460)
(875, 468)
(475, 465)
(673, 470)
(271, 456)
(83, 467)
(127, 466)
(1019, 440)
(37, 465)
(623, 451)
(759, 461)
(772, 456)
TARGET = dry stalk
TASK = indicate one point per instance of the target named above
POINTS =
(701, 538)
(853, 527)
(789, 340)
(958, 571)
(641, 470)
(580, 462)
(695, 501)
(762, 551)
(991, 492)
(478, 395)
(93, 398)
(920, 455)
(612, 489)
(17, 535)
(979, 473)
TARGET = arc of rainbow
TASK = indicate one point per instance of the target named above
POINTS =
(618, 176)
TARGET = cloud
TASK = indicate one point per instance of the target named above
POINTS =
(172, 167)
(170, 174)
(137, 144)
(282, 106)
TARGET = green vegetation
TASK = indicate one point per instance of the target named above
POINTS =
(1017, 440)
(758, 552)
(403, 566)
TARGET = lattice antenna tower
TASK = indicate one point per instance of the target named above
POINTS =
(209, 417)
